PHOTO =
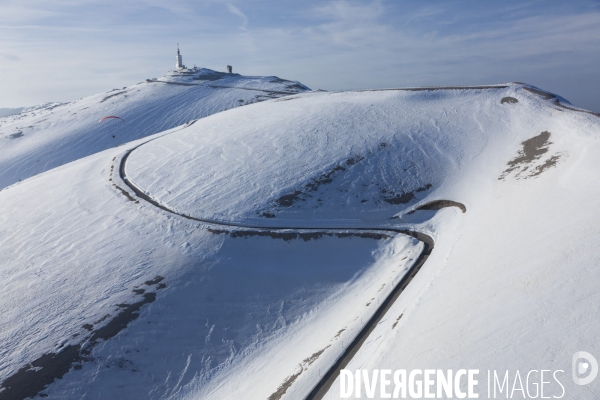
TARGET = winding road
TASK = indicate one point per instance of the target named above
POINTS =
(321, 388)
(28, 382)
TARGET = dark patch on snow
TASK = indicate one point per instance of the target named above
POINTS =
(278, 80)
(551, 162)
(549, 96)
(324, 179)
(287, 98)
(267, 214)
(340, 174)
(296, 86)
(262, 97)
(559, 104)
(306, 236)
(112, 95)
(397, 320)
(289, 199)
(122, 363)
(404, 198)
(120, 189)
(354, 160)
(37, 375)
(545, 95)
(533, 149)
(16, 135)
(154, 281)
(431, 88)
(309, 360)
(285, 385)
(337, 335)
(102, 319)
(509, 100)
(292, 86)
(439, 204)
(125, 193)
(292, 378)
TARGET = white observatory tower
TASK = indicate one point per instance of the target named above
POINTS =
(179, 63)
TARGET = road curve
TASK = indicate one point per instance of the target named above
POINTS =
(139, 193)
(55, 367)
(321, 388)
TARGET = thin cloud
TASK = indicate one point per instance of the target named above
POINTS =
(15, 13)
(236, 11)
(334, 44)
(342, 10)
(10, 57)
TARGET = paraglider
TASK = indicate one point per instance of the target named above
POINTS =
(109, 117)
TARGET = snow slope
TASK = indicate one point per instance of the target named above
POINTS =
(43, 137)
(513, 284)
(226, 312)
(227, 301)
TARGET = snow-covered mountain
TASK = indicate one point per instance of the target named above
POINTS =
(237, 257)
(52, 134)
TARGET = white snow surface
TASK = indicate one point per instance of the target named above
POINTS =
(511, 284)
(43, 137)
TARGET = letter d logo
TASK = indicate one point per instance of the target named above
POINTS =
(582, 363)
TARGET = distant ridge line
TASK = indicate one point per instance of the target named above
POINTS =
(425, 88)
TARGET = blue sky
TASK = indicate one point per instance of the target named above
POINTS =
(66, 49)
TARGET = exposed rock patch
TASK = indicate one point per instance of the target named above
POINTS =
(306, 236)
(16, 135)
(34, 377)
(439, 204)
(406, 197)
(292, 378)
(524, 166)
(509, 100)
(349, 184)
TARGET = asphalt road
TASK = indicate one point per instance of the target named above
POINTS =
(330, 376)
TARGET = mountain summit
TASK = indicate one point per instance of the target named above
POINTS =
(44, 137)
